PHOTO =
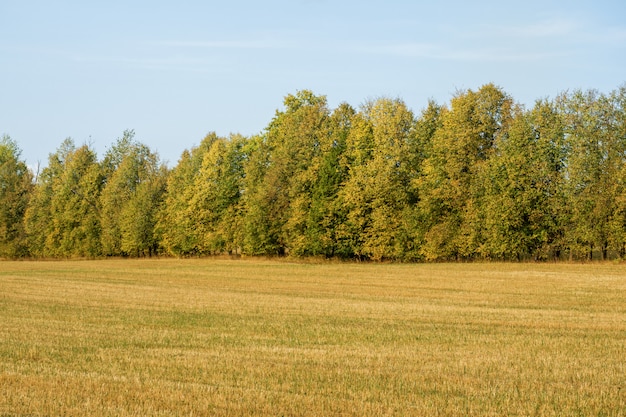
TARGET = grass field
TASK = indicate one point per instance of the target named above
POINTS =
(222, 337)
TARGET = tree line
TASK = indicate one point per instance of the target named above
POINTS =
(482, 177)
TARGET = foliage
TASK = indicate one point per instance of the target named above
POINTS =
(15, 190)
(131, 198)
(376, 191)
(214, 204)
(452, 189)
(63, 219)
(173, 223)
(290, 149)
(480, 178)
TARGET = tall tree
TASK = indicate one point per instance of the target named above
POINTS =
(15, 190)
(214, 206)
(592, 169)
(549, 170)
(63, 219)
(138, 217)
(174, 225)
(522, 181)
(38, 216)
(617, 122)
(451, 194)
(278, 202)
(76, 205)
(130, 198)
(117, 190)
(416, 220)
(259, 238)
(328, 172)
(377, 191)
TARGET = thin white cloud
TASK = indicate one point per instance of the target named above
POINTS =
(498, 55)
(160, 64)
(181, 55)
(570, 30)
(411, 49)
(446, 52)
(228, 44)
(612, 35)
(544, 29)
(540, 40)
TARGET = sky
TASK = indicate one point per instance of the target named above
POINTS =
(173, 71)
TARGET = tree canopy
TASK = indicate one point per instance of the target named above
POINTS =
(482, 177)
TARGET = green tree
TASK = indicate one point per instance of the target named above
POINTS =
(549, 167)
(377, 191)
(328, 172)
(118, 187)
(593, 166)
(416, 221)
(38, 216)
(617, 121)
(138, 217)
(358, 153)
(214, 206)
(278, 189)
(15, 190)
(63, 218)
(522, 186)
(76, 206)
(174, 225)
(130, 198)
(451, 194)
(260, 236)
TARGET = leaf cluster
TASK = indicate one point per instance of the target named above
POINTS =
(479, 178)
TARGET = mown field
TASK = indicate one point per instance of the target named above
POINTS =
(250, 337)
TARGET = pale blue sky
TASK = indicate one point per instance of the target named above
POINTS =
(176, 70)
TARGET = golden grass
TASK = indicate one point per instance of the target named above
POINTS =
(220, 337)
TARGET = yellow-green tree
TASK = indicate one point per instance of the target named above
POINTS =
(174, 226)
(134, 186)
(279, 181)
(451, 194)
(523, 181)
(214, 205)
(139, 213)
(328, 172)
(15, 190)
(118, 187)
(63, 217)
(593, 170)
(480, 177)
(415, 220)
(377, 190)
(617, 123)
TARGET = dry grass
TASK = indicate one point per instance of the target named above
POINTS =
(219, 337)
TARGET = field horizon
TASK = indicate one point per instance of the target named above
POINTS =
(164, 336)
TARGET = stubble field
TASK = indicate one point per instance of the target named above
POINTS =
(251, 337)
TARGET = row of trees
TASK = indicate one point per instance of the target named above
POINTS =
(480, 178)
